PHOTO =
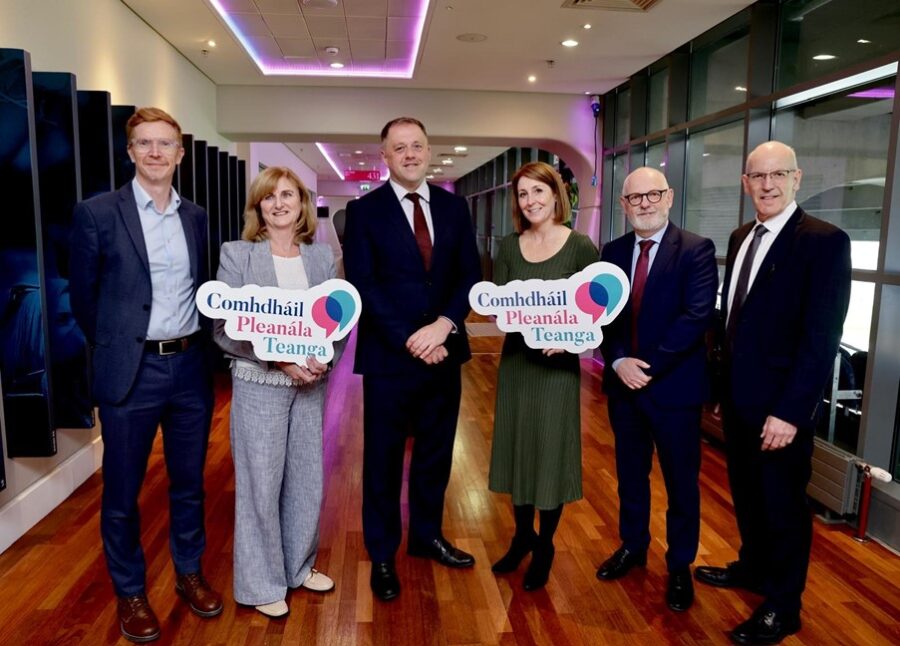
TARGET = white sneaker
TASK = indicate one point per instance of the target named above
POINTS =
(317, 582)
(274, 609)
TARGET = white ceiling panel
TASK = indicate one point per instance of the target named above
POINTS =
(247, 6)
(327, 27)
(403, 7)
(400, 28)
(367, 49)
(286, 26)
(365, 7)
(278, 6)
(297, 47)
(368, 28)
(251, 24)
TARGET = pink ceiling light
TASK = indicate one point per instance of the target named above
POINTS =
(271, 66)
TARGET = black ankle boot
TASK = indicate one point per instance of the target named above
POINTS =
(539, 569)
(518, 550)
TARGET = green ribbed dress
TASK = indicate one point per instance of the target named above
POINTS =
(536, 451)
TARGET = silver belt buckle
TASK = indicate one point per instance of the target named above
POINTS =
(162, 344)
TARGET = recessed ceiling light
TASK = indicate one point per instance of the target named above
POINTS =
(740, 88)
(863, 41)
(357, 152)
(706, 154)
(471, 38)
(212, 43)
(438, 170)
(662, 164)
(362, 163)
(532, 78)
(587, 25)
(336, 66)
(429, 177)
(460, 149)
(824, 57)
(569, 43)
(447, 162)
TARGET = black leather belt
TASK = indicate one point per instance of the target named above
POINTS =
(172, 346)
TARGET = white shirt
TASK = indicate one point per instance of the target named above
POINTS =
(774, 226)
(408, 206)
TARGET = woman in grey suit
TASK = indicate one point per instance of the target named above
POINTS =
(276, 408)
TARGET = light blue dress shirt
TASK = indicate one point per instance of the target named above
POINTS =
(173, 313)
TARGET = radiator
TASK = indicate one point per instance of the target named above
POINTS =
(834, 478)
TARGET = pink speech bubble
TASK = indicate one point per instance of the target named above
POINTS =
(321, 316)
(586, 303)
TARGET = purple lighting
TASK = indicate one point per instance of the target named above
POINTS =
(874, 93)
(271, 64)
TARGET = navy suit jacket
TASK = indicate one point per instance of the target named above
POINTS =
(382, 261)
(790, 323)
(677, 309)
(110, 283)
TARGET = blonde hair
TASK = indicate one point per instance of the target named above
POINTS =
(264, 184)
(546, 174)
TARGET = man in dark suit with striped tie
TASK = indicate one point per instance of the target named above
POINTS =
(656, 380)
(409, 248)
(784, 299)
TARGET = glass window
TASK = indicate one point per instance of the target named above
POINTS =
(620, 172)
(656, 156)
(658, 111)
(713, 198)
(842, 146)
(818, 37)
(719, 75)
(623, 114)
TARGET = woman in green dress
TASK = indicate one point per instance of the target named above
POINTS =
(536, 452)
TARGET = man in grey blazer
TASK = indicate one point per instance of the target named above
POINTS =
(138, 255)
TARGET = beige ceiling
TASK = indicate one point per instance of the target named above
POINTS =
(522, 38)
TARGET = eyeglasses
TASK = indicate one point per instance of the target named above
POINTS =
(163, 145)
(775, 176)
(635, 199)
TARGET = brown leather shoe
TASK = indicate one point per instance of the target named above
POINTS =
(194, 589)
(136, 619)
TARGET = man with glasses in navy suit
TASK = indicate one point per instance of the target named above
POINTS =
(138, 256)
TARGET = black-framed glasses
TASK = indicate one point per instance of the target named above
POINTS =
(635, 199)
(775, 175)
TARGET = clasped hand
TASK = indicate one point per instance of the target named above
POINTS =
(307, 374)
(777, 434)
(631, 372)
(427, 343)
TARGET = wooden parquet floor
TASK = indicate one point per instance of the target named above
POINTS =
(54, 588)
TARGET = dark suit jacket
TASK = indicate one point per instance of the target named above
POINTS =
(677, 309)
(791, 322)
(382, 261)
(110, 283)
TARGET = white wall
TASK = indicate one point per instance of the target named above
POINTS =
(108, 48)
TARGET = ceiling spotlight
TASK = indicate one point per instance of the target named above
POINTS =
(429, 177)
(357, 152)
(447, 162)
(706, 154)
(438, 170)
(212, 43)
(362, 163)
(569, 43)
(824, 57)
(740, 88)
(532, 78)
(863, 41)
(587, 25)
(459, 149)
(336, 66)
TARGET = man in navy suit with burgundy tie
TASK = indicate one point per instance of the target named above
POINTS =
(784, 299)
(409, 248)
(138, 255)
(655, 378)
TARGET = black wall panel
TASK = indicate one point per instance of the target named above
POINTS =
(95, 142)
(215, 227)
(233, 200)
(123, 168)
(186, 169)
(26, 400)
(224, 198)
(56, 126)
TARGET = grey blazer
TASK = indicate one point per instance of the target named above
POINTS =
(250, 263)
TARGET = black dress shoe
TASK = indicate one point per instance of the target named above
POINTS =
(440, 550)
(518, 550)
(732, 576)
(680, 593)
(766, 627)
(538, 571)
(384, 581)
(618, 565)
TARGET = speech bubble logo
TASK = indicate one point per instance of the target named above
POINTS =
(591, 299)
(333, 311)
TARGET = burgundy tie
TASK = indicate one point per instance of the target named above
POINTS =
(638, 282)
(423, 240)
